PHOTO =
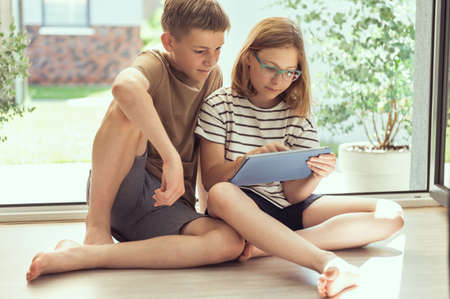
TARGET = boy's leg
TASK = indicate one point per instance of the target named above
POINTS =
(116, 144)
(204, 241)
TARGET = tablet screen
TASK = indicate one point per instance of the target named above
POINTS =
(275, 166)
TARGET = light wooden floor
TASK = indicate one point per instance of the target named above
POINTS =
(412, 265)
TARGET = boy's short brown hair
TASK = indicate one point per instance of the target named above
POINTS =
(181, 16)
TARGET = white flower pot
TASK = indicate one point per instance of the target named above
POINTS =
(374, 171)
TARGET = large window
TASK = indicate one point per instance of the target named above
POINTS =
(362, 57)
(57, 174)
(440, 131)
(65, 13)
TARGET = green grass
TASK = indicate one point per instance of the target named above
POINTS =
(55, 132)
(61, 92)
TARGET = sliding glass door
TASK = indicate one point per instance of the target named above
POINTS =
(440, 129)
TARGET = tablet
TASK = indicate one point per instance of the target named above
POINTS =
(275, 166)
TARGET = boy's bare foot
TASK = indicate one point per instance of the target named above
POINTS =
(97, 236)
(337, 276)
(250, 251)
(64, 244)
(63, 259)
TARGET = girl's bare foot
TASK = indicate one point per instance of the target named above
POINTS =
(64, 258)
(337, 276)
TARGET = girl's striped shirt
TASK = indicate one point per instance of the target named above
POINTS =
(232, 120)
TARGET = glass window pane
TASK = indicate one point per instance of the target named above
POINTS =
(66, 12)
(361, 59)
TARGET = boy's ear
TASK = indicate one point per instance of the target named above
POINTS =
(168, 41)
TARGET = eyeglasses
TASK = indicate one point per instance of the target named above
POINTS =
(273, 71)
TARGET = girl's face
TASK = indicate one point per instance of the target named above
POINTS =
(272, 71)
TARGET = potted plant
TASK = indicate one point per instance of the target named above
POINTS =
(368, 50)
(13, 64)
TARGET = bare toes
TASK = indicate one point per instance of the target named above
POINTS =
(35, 269)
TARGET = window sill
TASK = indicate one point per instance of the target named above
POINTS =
(77, 212)
(66, 31)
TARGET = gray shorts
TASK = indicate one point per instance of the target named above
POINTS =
(133, 216)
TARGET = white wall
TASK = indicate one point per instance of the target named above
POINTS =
(32, 12)
(116, 12)
(103, 12)
(243, 16)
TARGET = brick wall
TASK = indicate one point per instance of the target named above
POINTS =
(84, 59)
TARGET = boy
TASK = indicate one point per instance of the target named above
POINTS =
(145, 158)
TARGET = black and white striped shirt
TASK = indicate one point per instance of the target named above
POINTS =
(232, 120)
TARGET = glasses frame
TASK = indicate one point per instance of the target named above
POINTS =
(279, 71)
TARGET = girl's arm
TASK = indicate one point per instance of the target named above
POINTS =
(321, 166)
(214, 168)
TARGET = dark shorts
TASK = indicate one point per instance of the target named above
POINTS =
(133, 216)
(291, 216)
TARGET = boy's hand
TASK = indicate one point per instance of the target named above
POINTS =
(322, 165)
(172, 183)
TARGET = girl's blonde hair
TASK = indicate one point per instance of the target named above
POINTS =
(275, 33)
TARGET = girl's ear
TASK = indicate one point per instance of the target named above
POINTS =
(168, 41)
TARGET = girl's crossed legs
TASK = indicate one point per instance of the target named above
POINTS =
(330, 223)
(333, 223)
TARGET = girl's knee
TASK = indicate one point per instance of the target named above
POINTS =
(220, 195)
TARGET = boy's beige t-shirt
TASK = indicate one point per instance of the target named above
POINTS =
(177, 100)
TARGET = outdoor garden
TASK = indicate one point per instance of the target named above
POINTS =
(367, 84)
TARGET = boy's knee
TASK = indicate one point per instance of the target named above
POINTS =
(118, 122)
(115, 115)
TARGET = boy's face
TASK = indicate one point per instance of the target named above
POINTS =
(196, 53)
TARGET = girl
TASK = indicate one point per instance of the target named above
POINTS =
(267, 109)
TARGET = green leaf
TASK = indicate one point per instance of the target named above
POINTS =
(339, 18)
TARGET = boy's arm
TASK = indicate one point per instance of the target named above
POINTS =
(201, 192)
(130, 90)
(321, 166)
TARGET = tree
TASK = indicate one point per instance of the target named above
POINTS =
(13, 64)
(368, 47)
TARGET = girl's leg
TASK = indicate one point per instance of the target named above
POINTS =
(204, 241)
(337, 223)
(333, 223)
(228, 202)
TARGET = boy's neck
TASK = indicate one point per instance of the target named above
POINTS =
(180, 74)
